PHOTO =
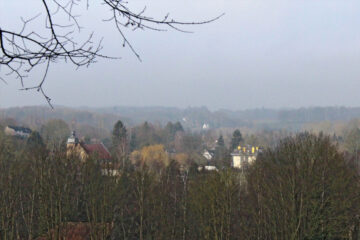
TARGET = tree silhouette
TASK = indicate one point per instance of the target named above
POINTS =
(119, 141)
(236, 139)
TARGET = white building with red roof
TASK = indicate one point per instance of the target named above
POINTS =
(77, 148)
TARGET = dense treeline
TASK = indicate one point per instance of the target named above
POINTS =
(302, 189)
(190, 118)
(41, 192)
(35, 117)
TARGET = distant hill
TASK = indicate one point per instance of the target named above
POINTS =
(34, 117)
(192, 118)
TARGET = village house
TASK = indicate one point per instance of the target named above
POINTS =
(84, 151)
(207, 168)
(244, 156)
(22, 132)
(208, 154)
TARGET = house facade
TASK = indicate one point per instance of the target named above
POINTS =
(74, 147)
(208, 154)
(244, 156)
(22, 132)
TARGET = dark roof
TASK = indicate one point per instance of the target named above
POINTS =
(21, 129)
(99, 149)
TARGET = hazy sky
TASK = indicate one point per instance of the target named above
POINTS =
(272, 54)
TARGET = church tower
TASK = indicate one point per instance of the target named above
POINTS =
(73, 146)
(72, 140)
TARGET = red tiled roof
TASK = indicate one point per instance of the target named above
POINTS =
(99, 149)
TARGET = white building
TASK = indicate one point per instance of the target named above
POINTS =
(208, 154)
(207, 168)
(22, 132)
(206, 126)
(244, 156)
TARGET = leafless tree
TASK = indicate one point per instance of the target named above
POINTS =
(21, 51)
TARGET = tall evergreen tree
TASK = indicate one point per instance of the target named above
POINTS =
(133, 142)
(170, 132)
(119, 141)
(178, 127)
(220, 141)
(236, 139)
(119, 133)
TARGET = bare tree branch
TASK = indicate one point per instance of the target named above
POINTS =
(21, 52)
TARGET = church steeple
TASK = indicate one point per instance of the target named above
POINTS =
(73, 139)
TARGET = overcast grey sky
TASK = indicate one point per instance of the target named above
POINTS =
(272, 54)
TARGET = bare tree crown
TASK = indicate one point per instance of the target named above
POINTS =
(21, 51)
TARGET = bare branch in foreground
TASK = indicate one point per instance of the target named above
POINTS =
(21, 52)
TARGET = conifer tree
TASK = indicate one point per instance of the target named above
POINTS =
(220, 141)
(236, 139)
(119, 141)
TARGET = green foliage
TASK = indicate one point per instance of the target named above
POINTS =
(171, 136)
(235, 140)
(169, 133)
(133, 141)
(119, 134)
(120, 142)
(146, 135)
(220, 142)
(171, 129)
(222, 157)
